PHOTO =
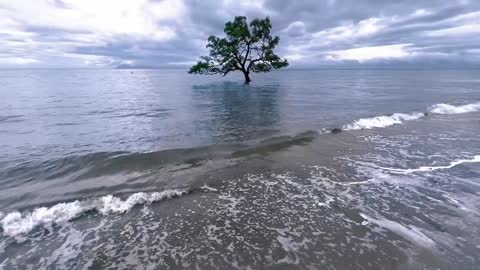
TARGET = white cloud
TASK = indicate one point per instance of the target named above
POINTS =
(372, 53)
(83, 23)
(17, 60)
(469, 17)
(140, 18)
(89, 60)
(296, 28)
(183, 63)
(295, 57)
(231, 8)
(347, 33)
(247, 4)
(420, 13)
(352, 31)
(461, 25)
(462, 30)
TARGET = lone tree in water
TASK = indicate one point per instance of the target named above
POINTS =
(246, 48)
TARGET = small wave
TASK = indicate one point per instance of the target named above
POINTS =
(443, 108)
(382, 121)
(108, 163)
(452, 164)
(16, 223)
(399, 118)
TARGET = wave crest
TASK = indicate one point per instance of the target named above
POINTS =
(399, 118)
(443, 108)
(16, 223)
(382, 121)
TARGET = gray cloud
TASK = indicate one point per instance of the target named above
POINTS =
(163, 33)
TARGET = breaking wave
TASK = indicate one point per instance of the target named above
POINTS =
(16, 223)
(451, 109)
(382, 121)
(399, 118)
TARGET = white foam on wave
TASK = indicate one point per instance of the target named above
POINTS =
(399, 118)
(382, 121)
(452, 164)
(443, 108)
(16, 223)
(409, 232)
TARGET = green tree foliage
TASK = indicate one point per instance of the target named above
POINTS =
(246, 48)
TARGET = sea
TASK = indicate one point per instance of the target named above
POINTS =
(301, 169)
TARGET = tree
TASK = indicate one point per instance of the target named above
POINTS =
(246, 48)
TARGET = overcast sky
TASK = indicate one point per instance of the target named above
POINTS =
(313, 33)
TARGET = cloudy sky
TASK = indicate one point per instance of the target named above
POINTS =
(172, 33)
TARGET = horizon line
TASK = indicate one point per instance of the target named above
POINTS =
(283, 70)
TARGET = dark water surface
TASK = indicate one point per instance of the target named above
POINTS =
(157, 169)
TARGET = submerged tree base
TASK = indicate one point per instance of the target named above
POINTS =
(247, 78)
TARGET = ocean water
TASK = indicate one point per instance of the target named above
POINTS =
(302, 169)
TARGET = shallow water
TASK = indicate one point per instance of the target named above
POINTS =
(157, 168)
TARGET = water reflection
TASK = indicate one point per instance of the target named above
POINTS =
(237, 112)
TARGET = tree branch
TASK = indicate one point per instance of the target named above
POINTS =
(246, 55)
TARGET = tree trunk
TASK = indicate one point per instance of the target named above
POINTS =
(247, 77)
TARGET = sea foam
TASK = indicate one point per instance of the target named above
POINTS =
(399, 118)
(16, 223)
(452, 164)
(409, 232)
(451, 109)
(382, 121)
